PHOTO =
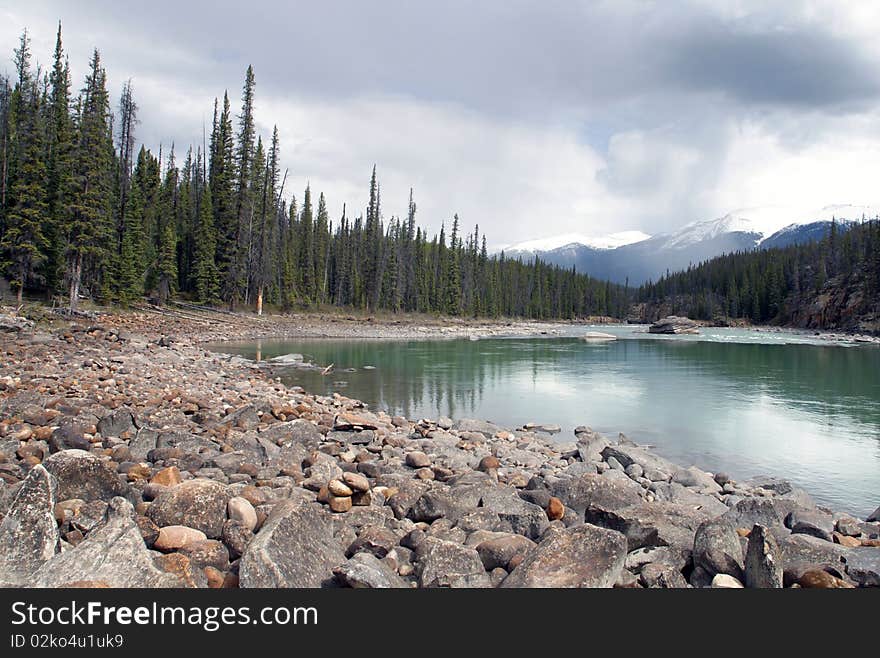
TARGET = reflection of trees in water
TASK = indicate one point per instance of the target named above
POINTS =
(452, 377)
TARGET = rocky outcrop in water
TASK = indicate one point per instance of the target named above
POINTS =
(674, 324)
(126, 460)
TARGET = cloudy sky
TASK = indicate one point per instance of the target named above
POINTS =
(527, 117)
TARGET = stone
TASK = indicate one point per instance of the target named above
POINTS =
(206, 553)
(845, 540)
(674, 324)
(725, 581)
(294, 548)
(717, 549)
(173, 537)
(167, 477)
(590, 446)
(471, 425)
(695, 478)
(81, 474)
(447, 564)
(69, 437)
(583, 556)
(604, 492)
(651, 524)
(29, 535)
(375, 539)
(144, 441)
(818, 579)
(763, 565)
(339, 503)
(863, 566)
(811, 522)
(116, 423)
(417, 459)
(339, 488)
(659, 575)
(489, 463)
(524, 517)
(241, 510)
(802, 552)
(198, 503)
(874, 516)
(504, 547)
(366, 571)
(356, 481)
(555, 509)
(177, 565)
(236, 536)
(114, 553)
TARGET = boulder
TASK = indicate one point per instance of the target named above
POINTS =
(802, 552)
(81, 474)
(69, 436)
(811, 522)
(114, 553)
(444, 563)
(763, 566)
(717, 549)
(523, 517)
(294, 548)
(674, 324)
(583, 556)
(472, 425)
(863, 566)
(695, 478)
(502, 548)
(651, 524)
(116, 423)
(604, 492)
(198, 503)
(28, 533)
(724, 581)
(366, 571)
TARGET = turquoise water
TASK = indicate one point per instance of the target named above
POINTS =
(743, 402)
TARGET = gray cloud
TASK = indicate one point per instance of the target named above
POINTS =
(603, 115)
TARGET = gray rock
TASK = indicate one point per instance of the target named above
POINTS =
(659, 575)
(294, 548)
(674, 492)
(199, 504)
(763, 568)
(523, 517)
(28, 533)
(774, 484)
(447, 564)
(651, 524)
(590, 446)
(695, 478)
(374, 539)
(81, 474)
(717, 549)
(583, 556)
(300, 431)
(811, 522)
(366, 571)
(604, 492)
(803, 552)
(499, 550)
(473, 425)
(768, 512)
(627, 454)
(116, 423)
(874, 516)
(114, 553)
(68, 436)
(863, 566)
(142, 443)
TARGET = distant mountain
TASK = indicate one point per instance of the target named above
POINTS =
(641, 257)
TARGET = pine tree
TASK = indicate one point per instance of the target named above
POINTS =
(206, 278)
(132, 254)
(222, 183)
(23, 242)
(236, 276)
(166, 258)
(88, 223)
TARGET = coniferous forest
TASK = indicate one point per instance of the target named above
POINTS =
(86, 213)
(779, 285)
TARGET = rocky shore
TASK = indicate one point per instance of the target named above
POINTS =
(130, 456)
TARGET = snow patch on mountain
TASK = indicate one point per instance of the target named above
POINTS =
(612, 241)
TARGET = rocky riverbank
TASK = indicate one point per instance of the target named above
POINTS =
(131, 456)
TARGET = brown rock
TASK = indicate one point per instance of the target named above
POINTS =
(173, 537)
(743, 532)
(844, 540)
(139, 472)
(149, 530)
(215, 577)
(176, 564)
(489, 463)
(871, 542)
(555, 509)
(87, 584)
(356, 481)
(818, 579)
(167, 477)
(339, 488)
(417, 459)
(425, 474)
(340, 503)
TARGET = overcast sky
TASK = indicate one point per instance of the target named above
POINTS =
(530, 118)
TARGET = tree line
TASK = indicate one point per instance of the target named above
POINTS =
(85, 212)
(766, 286)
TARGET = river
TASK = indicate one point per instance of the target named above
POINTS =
(743, 402)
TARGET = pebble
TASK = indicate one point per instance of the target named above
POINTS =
(172, 537)
(241, 510)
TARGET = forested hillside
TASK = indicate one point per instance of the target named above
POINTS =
(832, 283)
(86, 213)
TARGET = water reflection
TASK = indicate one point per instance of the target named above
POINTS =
(809, 413)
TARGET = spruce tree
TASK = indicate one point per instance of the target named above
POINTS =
(206, 278)
(88, 226)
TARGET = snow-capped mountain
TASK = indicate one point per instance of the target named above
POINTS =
(637, 257)
(611, 241)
